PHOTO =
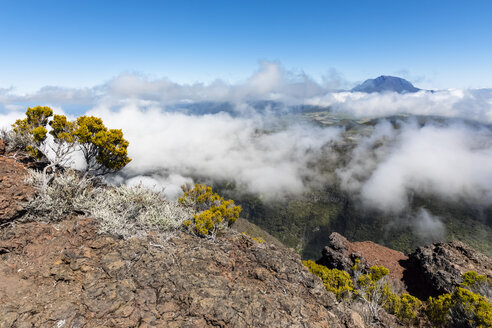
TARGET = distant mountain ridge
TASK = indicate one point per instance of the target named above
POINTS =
(385, 83)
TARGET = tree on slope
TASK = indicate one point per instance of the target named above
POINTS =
(104, 150)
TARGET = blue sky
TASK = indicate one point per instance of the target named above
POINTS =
(435, 44)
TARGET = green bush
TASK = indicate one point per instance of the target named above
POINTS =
(104, 150)
(375, 292)
(476, 283)
(462, 308)
(214, 212)
(335, 281)
(409, 308)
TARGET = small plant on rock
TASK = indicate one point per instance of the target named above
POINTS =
(477, 283)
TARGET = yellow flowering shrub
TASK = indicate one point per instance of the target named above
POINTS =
(335, 281)
(34, 127)
(104, 150)
(375, 291)
(408, 308)
(462, 308)
(214, 212)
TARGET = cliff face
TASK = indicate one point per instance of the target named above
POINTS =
(437, 268)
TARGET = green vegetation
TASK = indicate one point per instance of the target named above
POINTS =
(466, 306)
(336, 281)
(375, 292)
(259, 240)
(408, 308)
(104, 150)
(214, 212)
(462, 308)
(372, 289)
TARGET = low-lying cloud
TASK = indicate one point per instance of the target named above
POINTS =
(242, 132)
(452, 161)
(255, 152)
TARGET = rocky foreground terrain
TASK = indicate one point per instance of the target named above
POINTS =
(67, 274)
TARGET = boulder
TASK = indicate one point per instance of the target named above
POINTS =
(341, 254)
(437, 268)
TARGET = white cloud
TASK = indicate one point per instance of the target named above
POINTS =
(221, 146)
(453, 162)
(179, 129)
(428, 227)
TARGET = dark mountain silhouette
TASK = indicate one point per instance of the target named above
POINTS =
(386, 83)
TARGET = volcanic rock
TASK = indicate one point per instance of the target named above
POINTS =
(14, 191)
(2, 147)
(68, 275)
(437, 268)
(341, 254)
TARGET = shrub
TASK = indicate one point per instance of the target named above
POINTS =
(374, 291)
(409, 308)
(66, 194)
(214, 213)
(129, 211)
(462, 308)
(476, 283)
(124, 211)
(14, 142)
(335, 281)
(104, 150)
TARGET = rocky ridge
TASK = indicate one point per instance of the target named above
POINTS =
(67, 274)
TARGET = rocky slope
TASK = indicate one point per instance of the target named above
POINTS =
(13, 189)
(66, 274)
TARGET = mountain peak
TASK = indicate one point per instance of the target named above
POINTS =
(386, 83)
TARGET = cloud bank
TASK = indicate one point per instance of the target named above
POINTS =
(255, 152)
(242, 132)
(271, 82)
(452, 161)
